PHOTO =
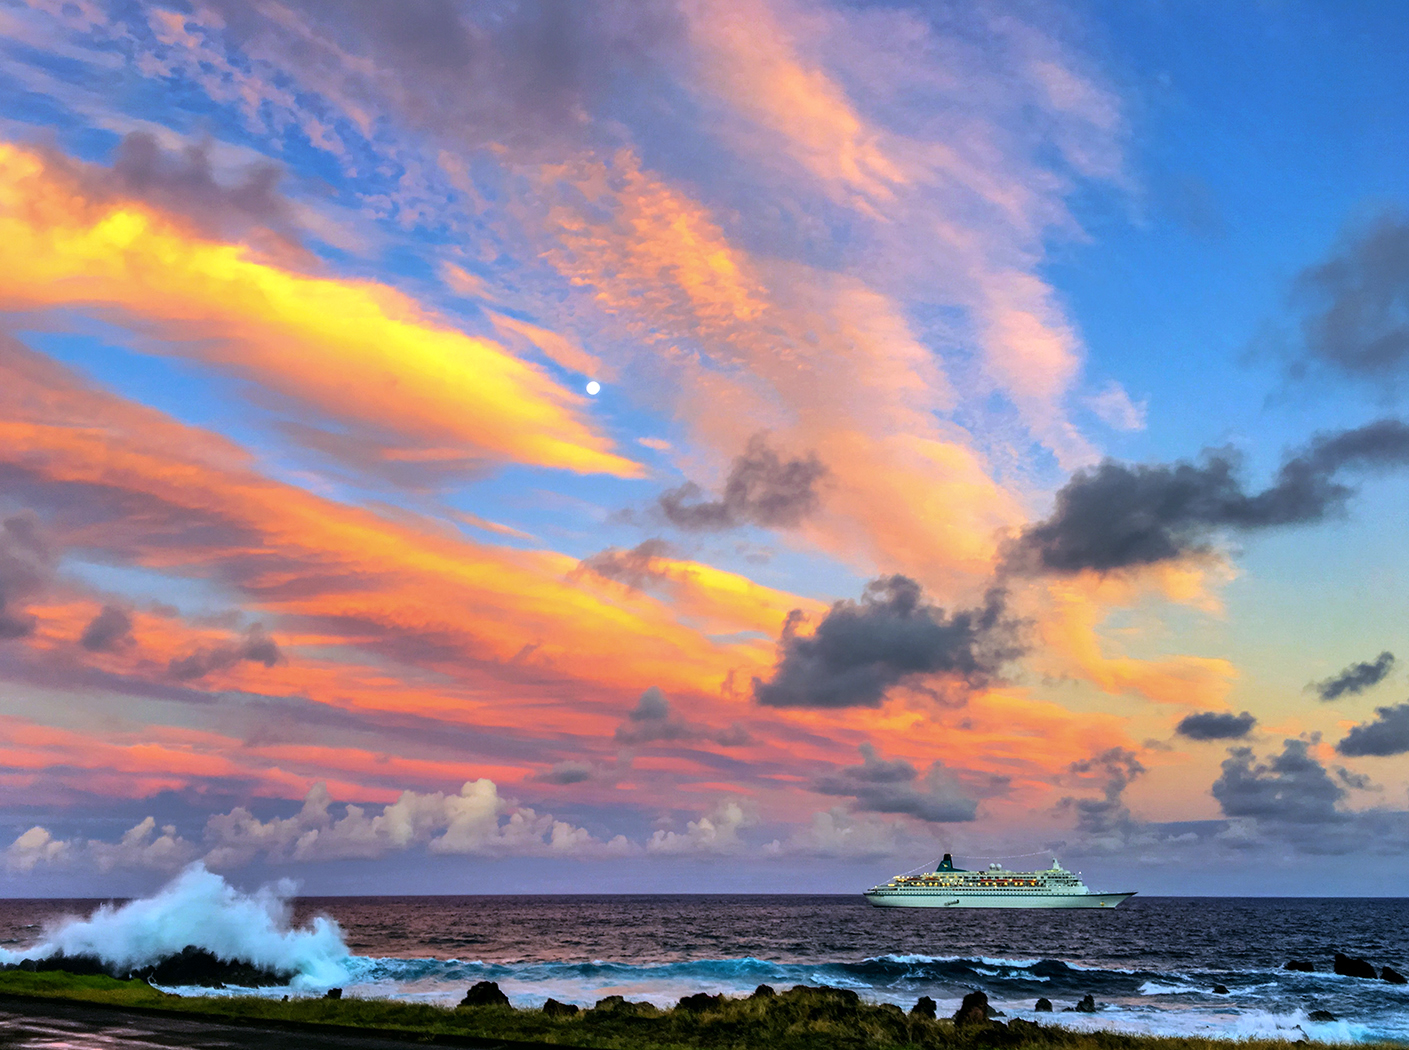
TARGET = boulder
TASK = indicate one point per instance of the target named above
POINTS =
(197, 966)
(973, 1010)
(1393, 976)
(553, 1008)
(1321, 1015)
(924, 1007)
(1348, 966)
(699, 1002)
(1087, 1005)
(485, 993)
(1220, 989)
(78, 965)
(763, 991)
(333, 993)
(29, 964)
(1044, 1006)
(1300, 966)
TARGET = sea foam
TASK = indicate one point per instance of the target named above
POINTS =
(200, 908)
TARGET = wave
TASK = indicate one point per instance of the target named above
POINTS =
(200, 908)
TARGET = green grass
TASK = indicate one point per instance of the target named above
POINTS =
(801, 1019)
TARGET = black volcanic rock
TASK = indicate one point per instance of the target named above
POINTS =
(616, 1004)
(1320, 1015)
(698, 1003)
(763, 991)
(333, 993)
(1087, 1005)
(1347, 966)
(1300, 966)
(485, 993)
(1044, 1006)
(553, 1008)
(924, 1007)
(1393, 976)
(973, 1010)
(1220, 989)
(197, 966)
(78, 965)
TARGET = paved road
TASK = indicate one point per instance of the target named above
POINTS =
(50, 1025)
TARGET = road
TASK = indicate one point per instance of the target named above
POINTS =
(58, 1025)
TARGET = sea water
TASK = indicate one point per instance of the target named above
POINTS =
(1150, 964)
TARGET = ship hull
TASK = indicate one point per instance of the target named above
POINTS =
(939, 899)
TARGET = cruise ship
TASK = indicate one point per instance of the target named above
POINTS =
(951, 887)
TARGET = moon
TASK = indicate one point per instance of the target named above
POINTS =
(594, 387)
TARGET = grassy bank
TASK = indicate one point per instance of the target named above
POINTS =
(800, 1019)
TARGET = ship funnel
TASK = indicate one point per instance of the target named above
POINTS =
(947, 864)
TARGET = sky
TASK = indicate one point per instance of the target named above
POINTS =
(703, 445)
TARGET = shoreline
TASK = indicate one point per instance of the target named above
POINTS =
(798, 1018)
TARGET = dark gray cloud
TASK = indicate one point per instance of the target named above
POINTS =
(1290, 788)
(26, 564)
(1356, 678)
(895, 786)
(892, 635)
(1118, 515)
(107, 632)
(520, 74)
(256, 647)
(653, 720)
(1356, 304)
(762, 489)
(638, 567)
(1114, 768)
(1388, 734)
(571, 771)
(1216, 725)
(184, 183)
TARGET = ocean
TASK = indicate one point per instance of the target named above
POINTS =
(1151, 964)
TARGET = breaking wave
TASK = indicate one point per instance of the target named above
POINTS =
(200, 908)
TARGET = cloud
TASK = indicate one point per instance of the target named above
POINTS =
(895, 786)
(570, 771)
(26, 563)
(1216, 725)
(1114, 407)
(107, 632)
(891, 636)
(1388, 734)
(332, 347)
(1290, 788)
(257, 647)
(717, 832)
(641, 565)
(142, 846)
(474, 821)
(1356, 678)
(1107, 816)
(1116, 515)
(1357, 303)
(837, 832)
(762, 489)
(34, 847)
(652, 720)
(184, 183)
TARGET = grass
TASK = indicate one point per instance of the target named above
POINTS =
(800, 1019)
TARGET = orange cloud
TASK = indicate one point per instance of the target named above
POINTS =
(358, 352)
(1069, 614)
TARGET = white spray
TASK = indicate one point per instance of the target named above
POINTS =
(200, 908)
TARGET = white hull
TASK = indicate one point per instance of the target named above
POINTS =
(940, 899)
